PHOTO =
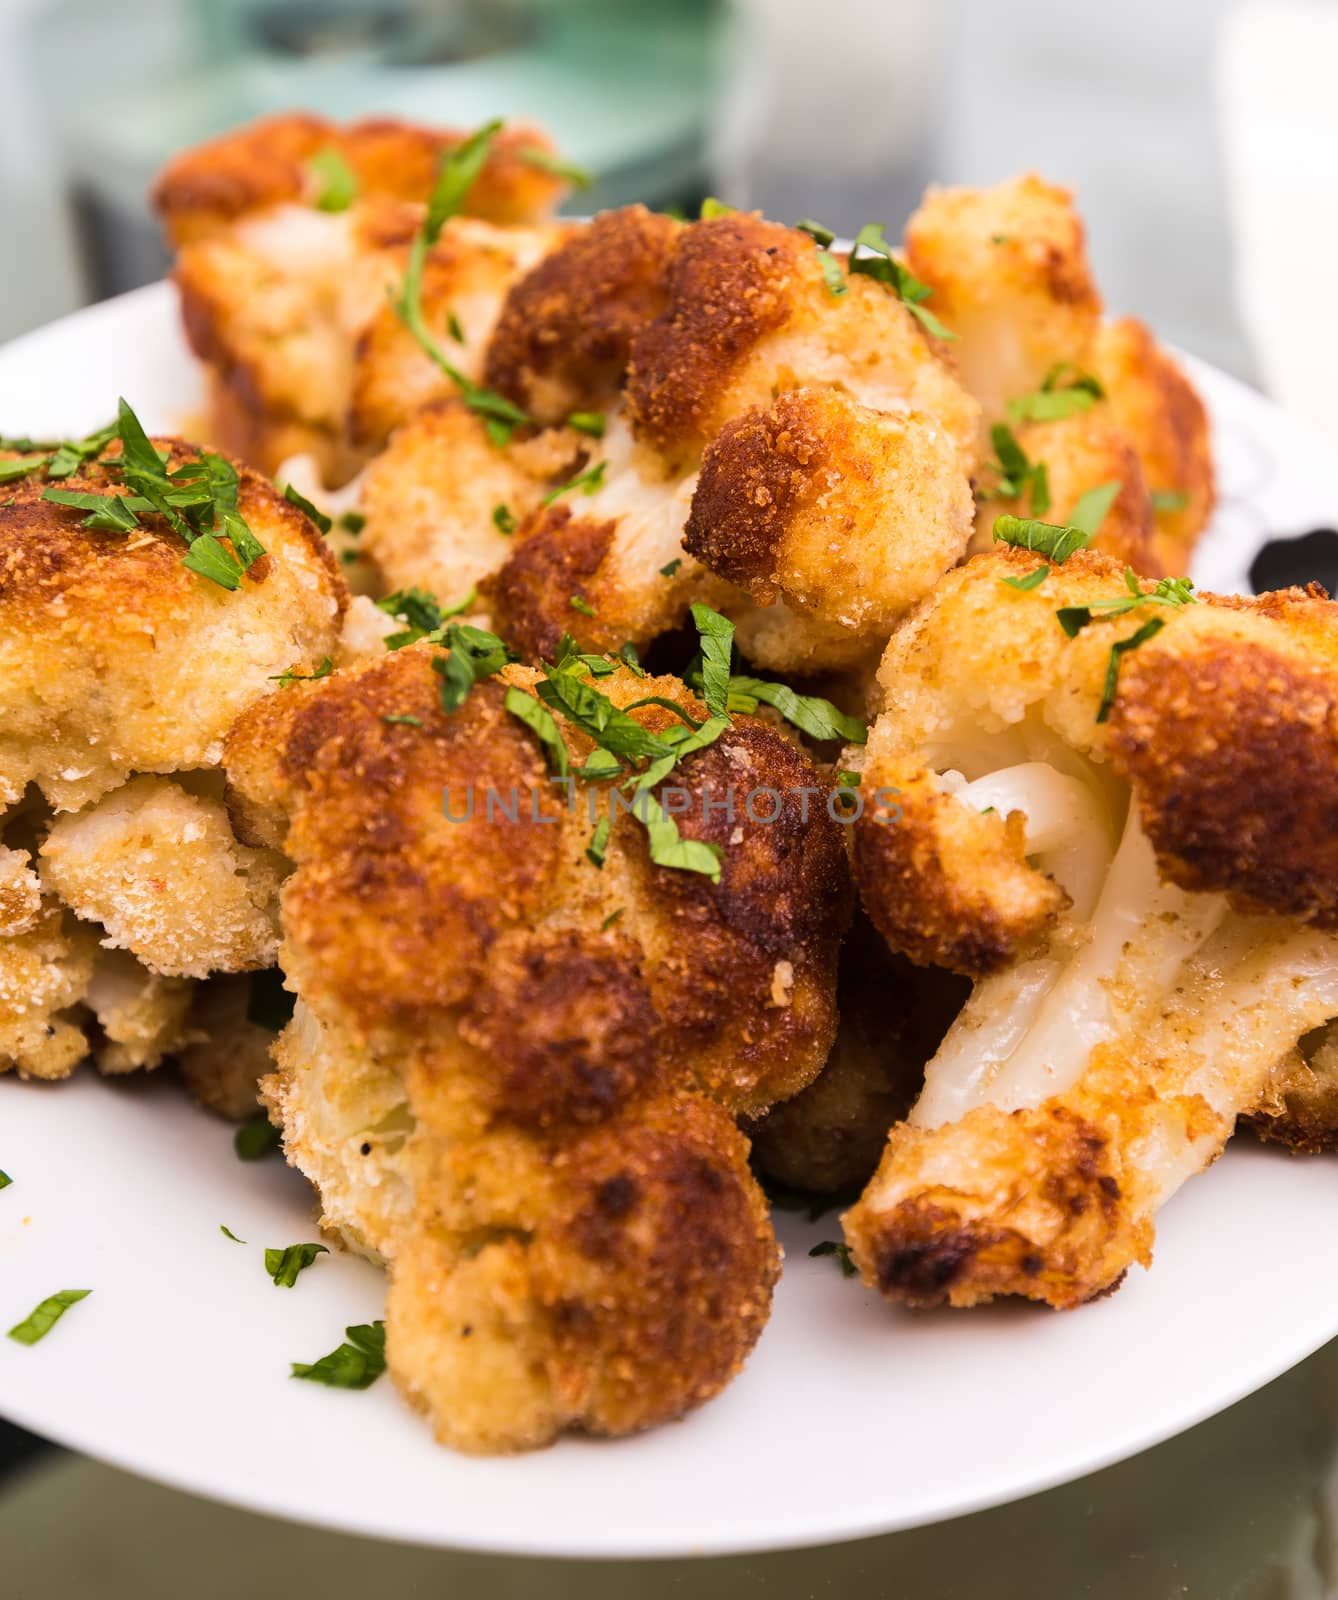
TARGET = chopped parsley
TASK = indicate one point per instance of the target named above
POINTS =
(424, 615)
(198, 499)
(353, 522)
(832, 275)
(668, 570)
(597, 849)
(848, 779)
(610, 920)
(883, 266)
(229, 1234)
(453, 327)
(578, 602)
(283, 679)
(627, 654)
(503, 519)
(1168, 592)
(40, 1321)
(459, 168)
(1058, 541)
(812, 715)
(404, 720)
(1033, 580)
(832, 1247)
(1065, 391)
(587, 482)
(1016, 474)
(256, 1139)
(591, 423)
(336, 182)
(12, 471)
(1149, 630)
(474, 654)
(356, 1364)
(1090, 510)
(542, 723)
(5, 1180)
(550, 162)
(1168, 500)
(294, 497)
(713, 208)
(284, 1265)
(716, 635)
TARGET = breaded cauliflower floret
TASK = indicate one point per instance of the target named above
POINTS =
(115, 658)
(681, 338)
(1154, 405)
(160, 870)
(141, 1017)
(205, 189)
(285, 303)
(1009, 270)
(1148, 943)
(1082, 453)
(847, 513)
(513, 1073)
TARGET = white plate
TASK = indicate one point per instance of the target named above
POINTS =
(851, 1418)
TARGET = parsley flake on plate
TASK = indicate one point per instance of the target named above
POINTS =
(40, 1321)
(357, 1364)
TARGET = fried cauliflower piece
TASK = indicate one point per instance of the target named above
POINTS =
(824, 419)
(848, 513)
(205, 190)
(285, 303)
(1147, 943)
(1158, 410)
(1081, 453)
(116, 659)
(1009, 270)
(160, 870)
(514, 1074)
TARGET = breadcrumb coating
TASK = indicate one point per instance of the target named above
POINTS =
(1009, 270)
(1106, 1052)
(1081, 453)
(205, 189)
(1299, 1104)
(556, 1050)
(115, 658)
(160, 870)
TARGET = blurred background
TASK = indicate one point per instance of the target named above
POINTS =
(1202, 139)
(1186, 128)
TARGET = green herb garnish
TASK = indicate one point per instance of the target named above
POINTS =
(503, 519)
(284, 1265)
(5, 1180)
(1016, 474)
(832, 274)
(812, 715)
(1055, 540)
(294, 497)
(459, 169)
(404, 720)
(716, 636)
(550, 162)
(832, 1247)
(1150, 629)
(610, 920)
(713, 208)
(670, 568)
(597, 849)
(1033, 580)
(1168, 499)
(423, 613)
(883, 266)
(592, 423)
(336, 182)
(587, 482)
(1168, 592)
(474, 654)
(256, 1139)
(541, 722)
(229, 1234)
(1066, 390)
(40, 1321)
(354, 1365)
(578, 602)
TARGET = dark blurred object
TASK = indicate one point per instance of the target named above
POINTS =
(623, 89)
(1303, 558)
(18, 1449)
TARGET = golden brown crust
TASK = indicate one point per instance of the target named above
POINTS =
(731, 281)
(563, 339)
(1159, 411)
(100, 635)
(949, 886)
(655, 1268)
(1251, 814)
(1069, 1239)
(557, 557)
(263, 163)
